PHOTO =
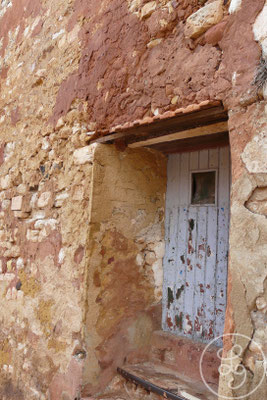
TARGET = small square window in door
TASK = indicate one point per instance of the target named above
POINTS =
(203, 188)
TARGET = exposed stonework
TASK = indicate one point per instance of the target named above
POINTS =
(199, 22)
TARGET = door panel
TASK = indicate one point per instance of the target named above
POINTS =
(195, 263)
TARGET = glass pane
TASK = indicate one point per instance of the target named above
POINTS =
(203, 188)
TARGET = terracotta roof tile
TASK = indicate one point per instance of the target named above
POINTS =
(168, 114)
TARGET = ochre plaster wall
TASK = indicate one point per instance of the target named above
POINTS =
(72, 67)
(126, 249)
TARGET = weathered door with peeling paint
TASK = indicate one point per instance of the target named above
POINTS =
(196, 233)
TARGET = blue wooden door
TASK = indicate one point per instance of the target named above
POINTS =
(196, 235)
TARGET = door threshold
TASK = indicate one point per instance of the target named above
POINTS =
(165, 382)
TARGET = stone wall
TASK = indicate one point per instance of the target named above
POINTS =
(68, 69)
(43, 259)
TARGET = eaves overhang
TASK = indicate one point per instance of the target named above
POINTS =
(203, 124)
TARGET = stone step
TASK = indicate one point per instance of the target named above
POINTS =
(172, 384)
(119, 389)
(184, 355)
(155, 376)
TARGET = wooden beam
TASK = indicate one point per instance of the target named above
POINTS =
(189, 133)
(193, 144)
(110, 137)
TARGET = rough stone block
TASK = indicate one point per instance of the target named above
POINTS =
(44, 199)
(260, 29)
(255, 154)
(60, 198)
(215, 34)
(5, 204)
(78, 193)
(259, 194)
(22, 188)
(16, 203)
(21, 214)
(84, 155)
(134, 5)
(235, 5)
(148, 9)
(43, 223)
(5, 182)
(203, 19)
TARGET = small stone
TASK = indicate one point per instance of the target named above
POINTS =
(153, 43)
(250, 363)
(260, 29)
(22, 188)
(84, 155)
(255, 154)
(14, 252)
(65, 132)
(18, 285)
(16, 203)
(159, 249)
(60, 123)
(40, 73)
(60, 198)
(199, 22)
(61, 256)
(148, 9)
(45, 144)
(73, 35)
(44, 199)
(62, 41)
(5, 182)
(20, 263)
(259, 194)
(235, 5)
(134, 5)
(174, 100)
(169, 90)
(150, 257)
(9, 265)
(43, 223)
(139, 260)
(261, 303)
(215, 33)
(78, 194)
(5, 204)
(21, 214)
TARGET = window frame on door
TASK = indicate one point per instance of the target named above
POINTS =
(196, 171)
